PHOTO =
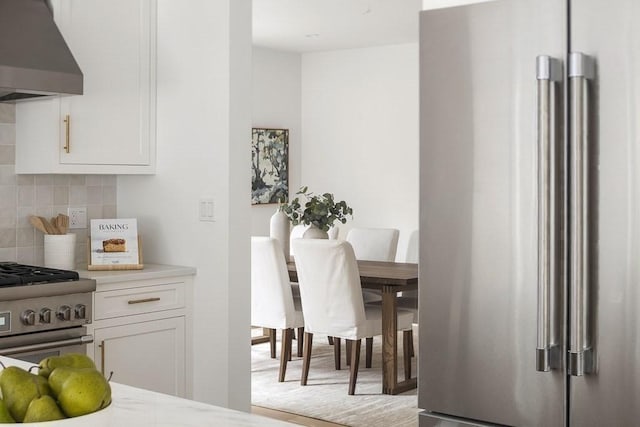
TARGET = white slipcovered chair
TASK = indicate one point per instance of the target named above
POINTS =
(272, 302)
(374, 244)
(332, 301)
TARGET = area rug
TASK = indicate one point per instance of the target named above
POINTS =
(325, 395)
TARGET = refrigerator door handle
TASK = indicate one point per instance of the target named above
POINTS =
(548, 73)
(581, 360)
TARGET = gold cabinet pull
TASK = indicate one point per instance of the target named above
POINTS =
(67, 122)
(101, 356)
(140, 301)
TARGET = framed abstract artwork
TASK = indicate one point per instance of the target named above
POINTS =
(269, 166)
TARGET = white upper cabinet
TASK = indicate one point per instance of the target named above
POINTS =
(110, 129)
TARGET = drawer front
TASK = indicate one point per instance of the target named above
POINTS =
(127, 302)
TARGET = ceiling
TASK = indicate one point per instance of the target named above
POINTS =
(318, 25)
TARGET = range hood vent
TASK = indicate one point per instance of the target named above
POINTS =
(35, 60)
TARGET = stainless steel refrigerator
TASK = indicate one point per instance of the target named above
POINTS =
(530, 214)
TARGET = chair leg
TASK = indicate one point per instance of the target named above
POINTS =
(290, 344)
(300, 341)
(336, 353)
(355, 361)
(369, 351)
(407, 344)
(272, 341)
(330, 340)
(306, 357)
(348, 350)
(285, 353)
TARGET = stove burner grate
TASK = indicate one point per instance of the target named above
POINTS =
(14, 274)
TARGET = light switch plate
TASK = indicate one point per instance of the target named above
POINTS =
(77, 217)
(206, 209)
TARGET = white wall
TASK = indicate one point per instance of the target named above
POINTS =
(360, 133)
(276, 81)
(203, 122)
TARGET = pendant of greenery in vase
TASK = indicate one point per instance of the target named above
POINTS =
(316, 212)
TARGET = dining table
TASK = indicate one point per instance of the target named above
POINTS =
(389, 278)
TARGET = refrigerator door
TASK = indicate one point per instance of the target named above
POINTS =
(611, 37)
(478, 214)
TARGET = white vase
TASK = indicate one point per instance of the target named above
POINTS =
(279, 229)
(313, 232)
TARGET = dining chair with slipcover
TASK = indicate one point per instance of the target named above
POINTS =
(272, 303)
(332, 302)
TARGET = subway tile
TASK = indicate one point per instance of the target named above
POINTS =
(109, 180)
(60, 194)
(25, 237)
(94, 212)
(77, 195)
(7, 175)
(93, 180)
(44, 179)
(38, 255)
(24, 212)
(44, 195)
(26, 179)
(94, 195)
(7, 237)
(7, 155)
(7, 134)
(61, 180)
(109, 195)
(109, 211)
(77, 179)
(26, 195)
(27, 255)
(7, 113)
(8, 254)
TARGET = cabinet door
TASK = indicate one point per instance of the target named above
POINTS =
(113, 122)
(148, 355)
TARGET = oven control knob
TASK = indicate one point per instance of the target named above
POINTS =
(28, 317)
(45, 315)
(81, 311)
(64, 312)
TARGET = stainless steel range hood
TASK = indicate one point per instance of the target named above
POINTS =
(35, 60)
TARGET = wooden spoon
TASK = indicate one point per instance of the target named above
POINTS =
(38, 224)
(47, 225)
(62, 221)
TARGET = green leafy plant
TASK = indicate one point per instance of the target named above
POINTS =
(319, 210)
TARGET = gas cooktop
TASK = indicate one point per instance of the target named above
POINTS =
(14, 274)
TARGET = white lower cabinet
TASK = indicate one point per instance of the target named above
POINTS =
(140, 330)
(149, 355)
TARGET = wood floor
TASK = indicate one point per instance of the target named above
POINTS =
(292, 418)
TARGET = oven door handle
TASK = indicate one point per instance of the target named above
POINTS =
(85, 339)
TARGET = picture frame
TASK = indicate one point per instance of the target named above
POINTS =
(269, 166)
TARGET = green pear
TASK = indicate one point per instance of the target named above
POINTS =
(83, 391)
(71, 360)
(19, 388)
(5, 415)
(59, 376)
(43, 408)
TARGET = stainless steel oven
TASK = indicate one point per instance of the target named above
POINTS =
(43, 312)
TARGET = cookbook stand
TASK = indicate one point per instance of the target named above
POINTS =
(98, 267)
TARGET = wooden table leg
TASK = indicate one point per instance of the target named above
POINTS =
(390, 383)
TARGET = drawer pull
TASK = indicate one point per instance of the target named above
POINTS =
(140, 301)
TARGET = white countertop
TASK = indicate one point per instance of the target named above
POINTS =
(150, 271)
(132, 406)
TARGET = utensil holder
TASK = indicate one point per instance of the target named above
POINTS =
(60, 251)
